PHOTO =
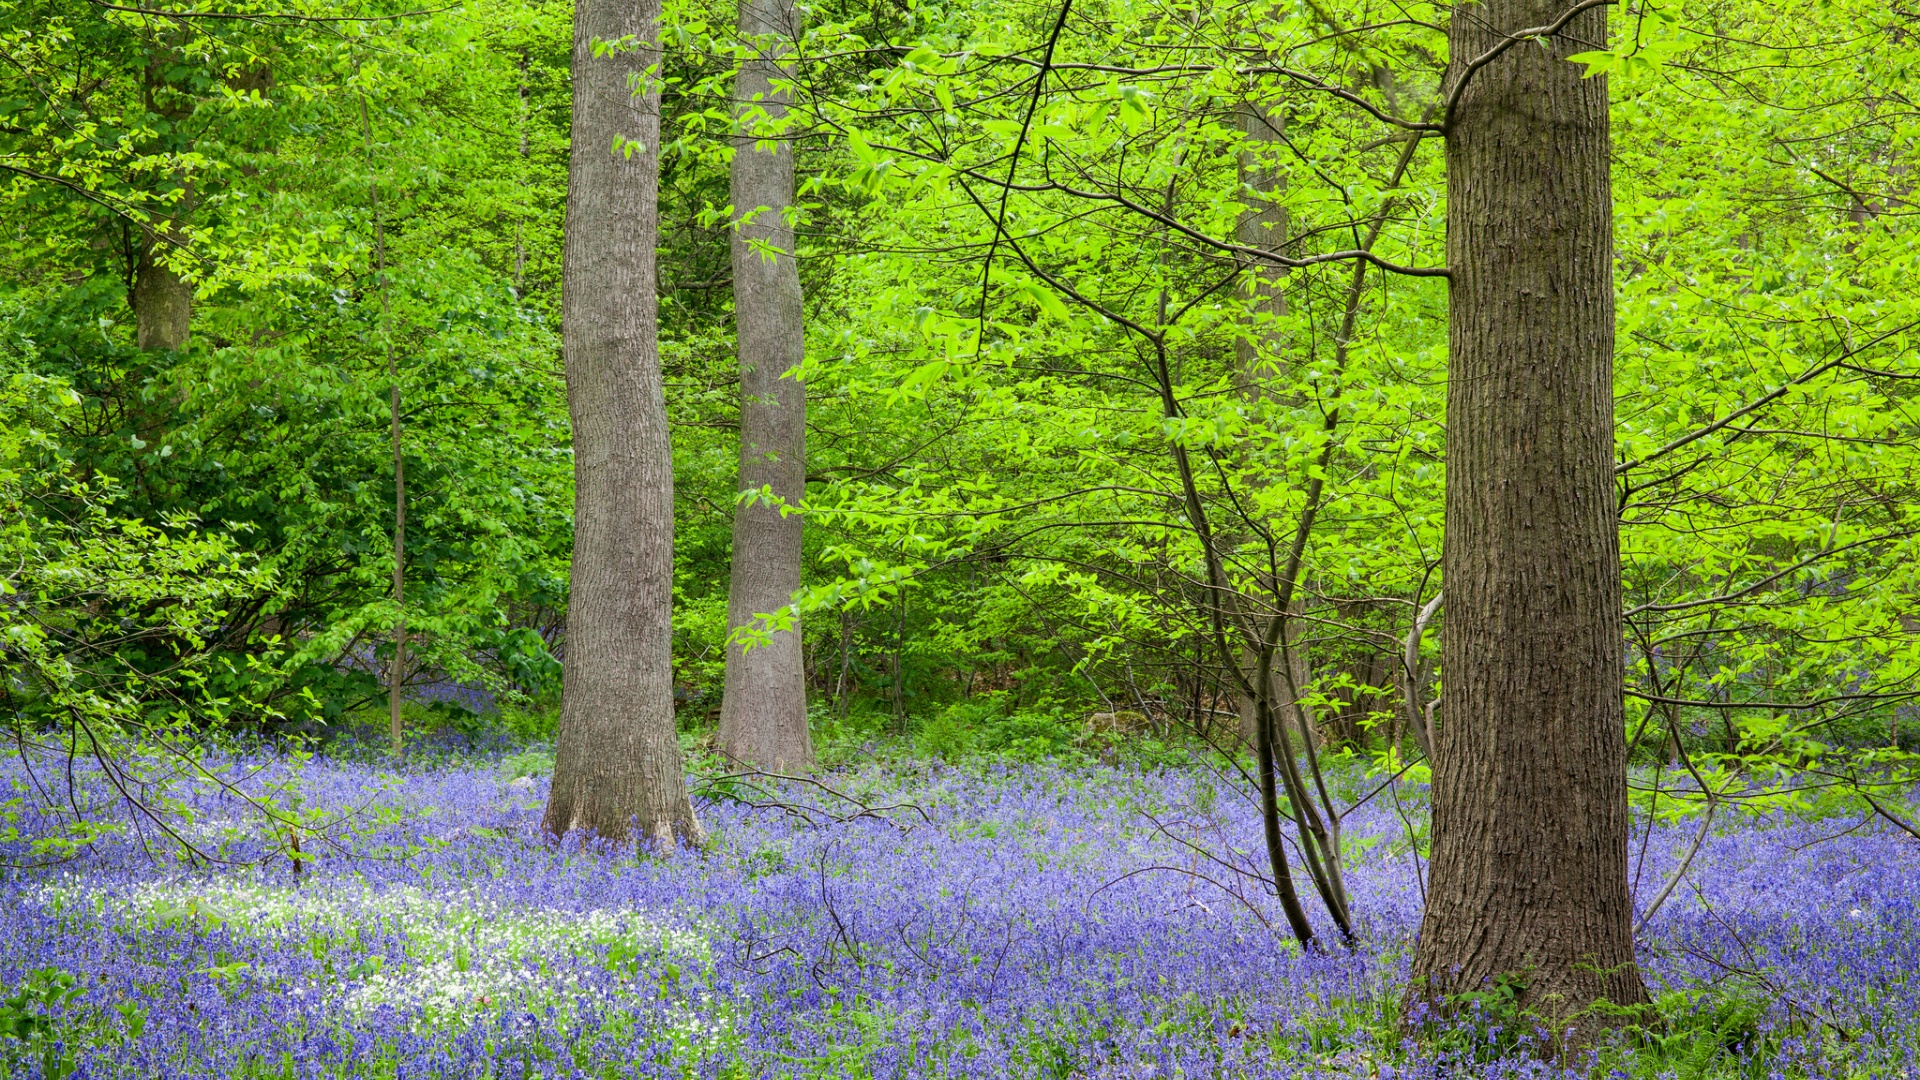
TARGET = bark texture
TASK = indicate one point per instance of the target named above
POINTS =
(763, 707)
(1529, 883)
(162, 304)
(1262, 224)
(617, 766)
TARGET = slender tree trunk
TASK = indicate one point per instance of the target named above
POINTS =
(397, 673)
(763, 710)
(1529, 872)
(397, 680)
(1414, 680)
(398, 677)
(846, 662)
(899, 667)
(617, 766)
(1299, 663)
(520, 224)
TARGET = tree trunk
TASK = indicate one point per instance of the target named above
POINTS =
(162, 300)
(1414, 680)
(1529, 885)
(526, 155)
(1284, 705)
(397, 673)
(763, 710)
(162, 303)
(1262, 224)
(397, 677)
(617, 764)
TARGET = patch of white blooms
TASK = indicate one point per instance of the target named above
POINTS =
(461, 950)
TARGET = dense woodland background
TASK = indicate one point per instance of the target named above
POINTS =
(232, 238)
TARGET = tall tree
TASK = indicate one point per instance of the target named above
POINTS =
(1262, 224)
(161, 299)
(1529, 883)
(763, 710)
(617, 765)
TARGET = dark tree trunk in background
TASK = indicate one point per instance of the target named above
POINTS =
(617, 764)
(763, 709)
(162, 300)
(1529, 870)
(162, 303)
(397, 672)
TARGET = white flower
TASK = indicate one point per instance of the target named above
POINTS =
(459, 949)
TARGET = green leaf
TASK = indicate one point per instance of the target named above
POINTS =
(1046, 300)
(1598, 61)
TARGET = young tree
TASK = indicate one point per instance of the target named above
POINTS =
(763, 710)
(1529, 873)
(617, 765)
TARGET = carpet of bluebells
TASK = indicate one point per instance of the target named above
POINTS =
(916, 921)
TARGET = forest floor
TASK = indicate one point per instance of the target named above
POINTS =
(996, 920)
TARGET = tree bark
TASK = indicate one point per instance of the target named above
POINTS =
(617, 765)
(1262, 224)
(763, 707)
(162, 303)
(162, 300)
(1529, 872)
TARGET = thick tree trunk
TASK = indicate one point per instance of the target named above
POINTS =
(618, 764)
(1529, 872)
(763, 710)
(162, 304)
(162, 300)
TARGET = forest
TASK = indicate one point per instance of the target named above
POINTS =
(959, 538)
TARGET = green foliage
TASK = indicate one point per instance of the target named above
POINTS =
(952, 734)
(33, 1021)
(110, 634)
(527, 763)
(1698, 1028)
(520, 724)
(842, 739)
(25, 1014)
(252, 158)
(1031, 734)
